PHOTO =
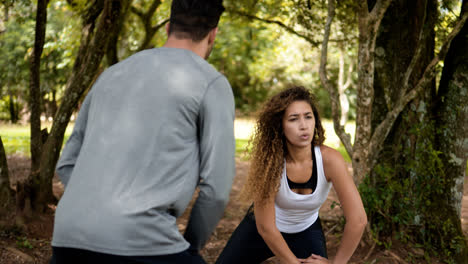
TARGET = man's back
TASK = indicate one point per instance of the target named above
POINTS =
(151, 129)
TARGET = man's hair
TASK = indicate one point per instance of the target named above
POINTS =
(193, 19)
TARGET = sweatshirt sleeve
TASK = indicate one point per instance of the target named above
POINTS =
(217, 164)
(72, 149)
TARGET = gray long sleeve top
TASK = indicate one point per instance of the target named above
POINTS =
(152, 128)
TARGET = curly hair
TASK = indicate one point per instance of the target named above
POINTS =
(269, 144)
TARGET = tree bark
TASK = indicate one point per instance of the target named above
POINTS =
(6, 194)
(112, 54)
(451, 113)
(397, 42)
(368, 23)
(368, 142)
(34, 86)
(24, 191)
(94, 43)
(405, 64)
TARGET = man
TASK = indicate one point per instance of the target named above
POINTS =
(153, 128)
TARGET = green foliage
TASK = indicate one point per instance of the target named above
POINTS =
(244, 53)
(61, 45)
(408, 201)
(16, 42)
(258, 58)
(23, 242)
(448, 14)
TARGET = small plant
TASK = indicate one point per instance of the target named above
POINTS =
(332, 206)
(23, 242)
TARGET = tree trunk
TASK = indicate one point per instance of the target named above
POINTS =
(112, 55)
(24, 191)
(13, 107)
(94, 43)
(396, 44)
(451, 113)
(35, 88)
(365, 93)
(6, 194)
(408, 164)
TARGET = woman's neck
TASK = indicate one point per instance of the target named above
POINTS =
(299, 154)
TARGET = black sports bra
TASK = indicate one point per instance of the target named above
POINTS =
(311, 183)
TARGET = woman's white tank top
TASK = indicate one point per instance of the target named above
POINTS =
(296, 212)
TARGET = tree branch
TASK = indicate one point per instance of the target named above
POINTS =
(151, 11)
(137, 12)
(160, 25)
(341, 64)
(377, 13)
(150, 34)
(145, 18)
(279, 23)
(314, 43)
(350, 76)
(362, 9)
(384, 128)
(92, 13)
(417, 55)
(341, 85)
(332, 90)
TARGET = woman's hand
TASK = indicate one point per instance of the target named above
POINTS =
(315, 259)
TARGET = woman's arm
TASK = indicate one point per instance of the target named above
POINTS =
(336, 171)
(266, 225)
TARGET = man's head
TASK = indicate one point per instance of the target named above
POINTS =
(194, 19)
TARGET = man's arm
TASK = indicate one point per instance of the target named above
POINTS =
(217, 164)
(71, 151)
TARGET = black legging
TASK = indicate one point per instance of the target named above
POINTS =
(62, 255)
(246, 246)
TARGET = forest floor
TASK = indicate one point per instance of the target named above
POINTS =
(31, 243)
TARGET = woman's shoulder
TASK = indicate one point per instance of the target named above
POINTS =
(330, 156)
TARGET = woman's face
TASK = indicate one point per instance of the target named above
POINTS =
(299, 124)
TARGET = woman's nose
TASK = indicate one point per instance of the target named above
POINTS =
(302, 123)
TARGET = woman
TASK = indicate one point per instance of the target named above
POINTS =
(289, 179)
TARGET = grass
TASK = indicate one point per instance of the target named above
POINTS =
(241, 145)
(16, 137)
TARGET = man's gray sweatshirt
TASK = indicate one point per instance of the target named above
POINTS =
(151, 129)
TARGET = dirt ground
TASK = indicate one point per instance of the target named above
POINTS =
(31, 244)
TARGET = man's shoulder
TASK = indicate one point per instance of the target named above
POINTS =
(204, 66)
